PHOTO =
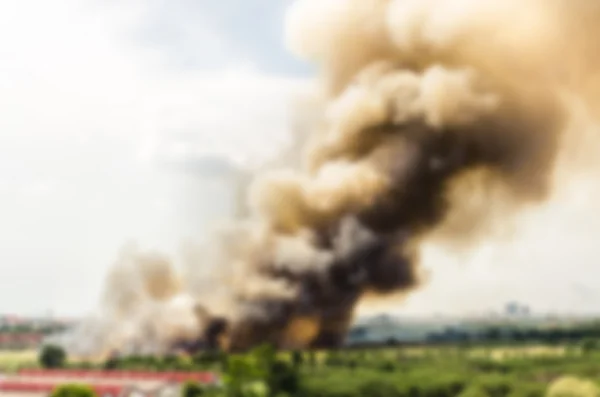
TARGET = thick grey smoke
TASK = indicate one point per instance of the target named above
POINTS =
(426, 105)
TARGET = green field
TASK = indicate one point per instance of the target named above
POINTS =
(528, 370)
(11, 360)
(525, 371)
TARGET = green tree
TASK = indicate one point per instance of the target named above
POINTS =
(589, 345)
(73, 391)
(52, 356)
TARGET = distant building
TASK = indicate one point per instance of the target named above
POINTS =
(516, 309)
(512, 309)
(19, 340)
(10, 320)
(385, 329)
(28, 332)
(391, 330)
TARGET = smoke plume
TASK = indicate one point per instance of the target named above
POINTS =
(440, 117)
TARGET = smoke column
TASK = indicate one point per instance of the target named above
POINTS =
(439, 117)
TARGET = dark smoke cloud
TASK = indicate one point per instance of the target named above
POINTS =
(426, 103)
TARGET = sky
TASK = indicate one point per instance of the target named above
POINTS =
(124, 120)
(107, 110)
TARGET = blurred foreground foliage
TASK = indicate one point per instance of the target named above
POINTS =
(73, 391)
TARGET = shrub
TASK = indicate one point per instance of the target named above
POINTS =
(52, 356)
(496, 385)
(589, 345)
(387, 366)
(191, 389)
(73, 391)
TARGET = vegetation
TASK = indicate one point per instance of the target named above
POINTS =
(52, 357)
(73, 391)
(12, 360)
(573, 387)
(460, 370)
(589, 345)
(442, 371)
(192, 389)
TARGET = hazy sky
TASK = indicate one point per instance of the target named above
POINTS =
(94, 92)
(91, 93)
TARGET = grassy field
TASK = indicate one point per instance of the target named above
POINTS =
(11, 360)
(448, 371)
(497, 352)
(527, 370)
